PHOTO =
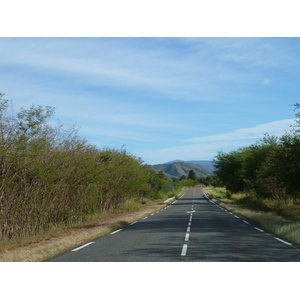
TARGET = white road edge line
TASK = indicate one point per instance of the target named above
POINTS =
(184, 250)
(133, 222)
(116, 231)
(259, 229)
(85, 245)
(169, 200)
(282, 241)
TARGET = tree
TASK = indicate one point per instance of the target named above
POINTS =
(229, 168)
(182, 177)
(297, 106)
(192, 175)
(161, 174)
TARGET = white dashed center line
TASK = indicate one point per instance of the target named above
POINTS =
(184, 250)
(187, 237)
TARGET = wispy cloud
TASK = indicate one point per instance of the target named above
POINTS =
(162, 97)
(188, 152)
(208, 146)
(266, 81)
(150, 65)
(273, 128)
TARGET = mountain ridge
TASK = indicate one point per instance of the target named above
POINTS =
(207, 164)
(177, 169)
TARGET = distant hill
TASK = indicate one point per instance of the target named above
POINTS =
(177, 169)
(207, 164)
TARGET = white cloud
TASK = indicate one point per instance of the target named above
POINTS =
(189, 152)
(256, 132)
(121, 63)
(208, 146)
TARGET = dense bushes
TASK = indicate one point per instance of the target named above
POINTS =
(212, 180)
(268, 169)
(50, 176)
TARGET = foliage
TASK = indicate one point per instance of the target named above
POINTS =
(50, 176)
(268, 169)
(213, 180)
(192, 175)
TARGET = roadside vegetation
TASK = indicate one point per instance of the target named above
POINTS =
(262, 181)
(241, 204)
(51, 179)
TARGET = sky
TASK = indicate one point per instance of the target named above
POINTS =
(161, 99)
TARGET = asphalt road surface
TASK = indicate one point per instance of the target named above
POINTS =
(191, 229)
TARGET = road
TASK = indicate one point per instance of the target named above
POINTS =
(192, 229)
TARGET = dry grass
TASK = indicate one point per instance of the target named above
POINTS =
(217, 192)
(270, 221)
(40, 248)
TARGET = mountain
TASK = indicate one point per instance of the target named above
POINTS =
(207, 164)
(177, 169)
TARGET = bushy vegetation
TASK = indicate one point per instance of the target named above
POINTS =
(267, 171)
(50, 176)
(210, 181)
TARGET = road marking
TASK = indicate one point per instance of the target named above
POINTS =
(187, 236)
(134, 223)
(188, 229)
(145, 218)
(190, 223)
(237, 217)
(259, 229)
(116, 231)
(184, 250)
(169, 200)
(246, 222)
(85, 245)
(282, 241)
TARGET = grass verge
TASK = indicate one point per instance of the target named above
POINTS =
(41, 247)
(269, 221)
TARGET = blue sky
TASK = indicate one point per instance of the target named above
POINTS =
(162, 98)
